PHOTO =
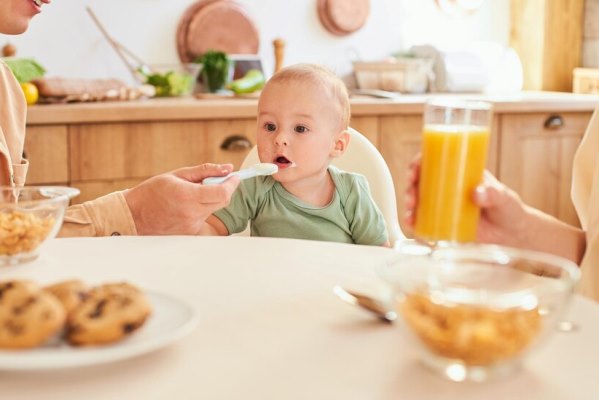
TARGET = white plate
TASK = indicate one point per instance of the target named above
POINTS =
(171, 319)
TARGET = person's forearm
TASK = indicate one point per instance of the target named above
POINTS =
(104, 216)
(548, 234)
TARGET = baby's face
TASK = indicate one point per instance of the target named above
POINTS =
(298, 123)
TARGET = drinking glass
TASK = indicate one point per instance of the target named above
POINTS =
(454, 153)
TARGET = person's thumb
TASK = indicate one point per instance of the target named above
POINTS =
(496, 198)
(199, 172)
(484, 196)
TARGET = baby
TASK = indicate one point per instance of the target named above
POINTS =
(303, 119)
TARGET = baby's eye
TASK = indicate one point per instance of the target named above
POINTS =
(301, 129)
(270, 127)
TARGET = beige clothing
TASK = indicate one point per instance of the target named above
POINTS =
(101, 217)
(585, 195)
(13, 109)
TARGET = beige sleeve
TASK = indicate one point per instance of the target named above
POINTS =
(585, 195)
(13, 111)
(106, 216)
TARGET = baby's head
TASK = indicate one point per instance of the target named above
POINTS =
(303, 117)
(320, 81)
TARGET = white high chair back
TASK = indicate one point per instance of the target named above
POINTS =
(363, 158)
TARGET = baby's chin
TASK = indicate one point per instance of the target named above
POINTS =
(282, 177)
(277, 177)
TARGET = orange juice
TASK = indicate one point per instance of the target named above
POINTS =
(453, 161)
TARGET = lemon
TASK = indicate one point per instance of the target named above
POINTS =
(30, 91)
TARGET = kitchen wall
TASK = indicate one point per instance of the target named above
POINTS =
(64, 39)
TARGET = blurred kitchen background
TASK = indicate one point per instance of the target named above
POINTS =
(523, 56)
(67, 43)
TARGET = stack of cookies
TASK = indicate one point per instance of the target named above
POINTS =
(30, 315)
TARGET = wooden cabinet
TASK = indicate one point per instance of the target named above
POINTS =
(399, 142)
(367, 126)
(536, 155)
(100, 148)
(547, 35)
(115, 156)
(46, 148)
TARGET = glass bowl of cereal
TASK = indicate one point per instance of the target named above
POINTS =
(29, 216)
(474, 311)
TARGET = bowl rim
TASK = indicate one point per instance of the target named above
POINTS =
(59, 193)
(572, 271)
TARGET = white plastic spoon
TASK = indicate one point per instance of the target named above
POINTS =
(256, 170)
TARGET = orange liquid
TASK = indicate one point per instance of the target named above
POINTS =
(453, 162)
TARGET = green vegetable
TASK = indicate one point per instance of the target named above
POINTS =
(215, 69)
(25, 69)
(253, 80)
(171, 83)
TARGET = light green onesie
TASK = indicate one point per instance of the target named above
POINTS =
(351, 217)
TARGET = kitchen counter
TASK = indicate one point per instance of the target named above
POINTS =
(177, 109)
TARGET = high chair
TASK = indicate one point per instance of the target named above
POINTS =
(363, 158)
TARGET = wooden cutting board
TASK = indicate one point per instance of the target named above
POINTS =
(342, 17)
(222, 25)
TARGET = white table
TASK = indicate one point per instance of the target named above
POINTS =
(270, 328)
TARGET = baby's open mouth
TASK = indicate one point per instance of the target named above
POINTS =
(283, 162)
(38, 2)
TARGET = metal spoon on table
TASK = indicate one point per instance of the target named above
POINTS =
(368, 303)
(379, 309)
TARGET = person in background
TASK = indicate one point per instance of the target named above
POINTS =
(303, 121)
(507, 220)
(171, 203)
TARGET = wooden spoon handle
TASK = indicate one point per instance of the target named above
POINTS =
(279, 46)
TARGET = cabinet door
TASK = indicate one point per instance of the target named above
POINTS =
(367, 126)
(111, 156)
(46, 150)
(138, 150)
(537, 151)
(399, 142)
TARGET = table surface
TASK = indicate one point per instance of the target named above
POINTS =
(271, 328)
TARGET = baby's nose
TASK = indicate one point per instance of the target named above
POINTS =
(281, 139)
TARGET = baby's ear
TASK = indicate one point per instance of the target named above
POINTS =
(341, 144)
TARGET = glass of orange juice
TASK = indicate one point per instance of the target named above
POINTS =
(455, 142)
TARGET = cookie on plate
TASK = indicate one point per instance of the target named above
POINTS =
(70, 293)
(109, 313)
(29, 316)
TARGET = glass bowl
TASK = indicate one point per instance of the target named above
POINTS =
(29, 216)
(474, 311)
(172, 80)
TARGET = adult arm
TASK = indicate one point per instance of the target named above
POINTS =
(507, 220)
(174, 203)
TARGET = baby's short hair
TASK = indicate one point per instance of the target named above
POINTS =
(322, 76)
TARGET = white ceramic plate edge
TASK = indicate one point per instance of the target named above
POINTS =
(181, 320)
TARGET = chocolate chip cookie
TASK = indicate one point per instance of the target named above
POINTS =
(108, 314)
(29, 316)
(70, 293)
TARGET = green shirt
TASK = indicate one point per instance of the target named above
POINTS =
(351, 217)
